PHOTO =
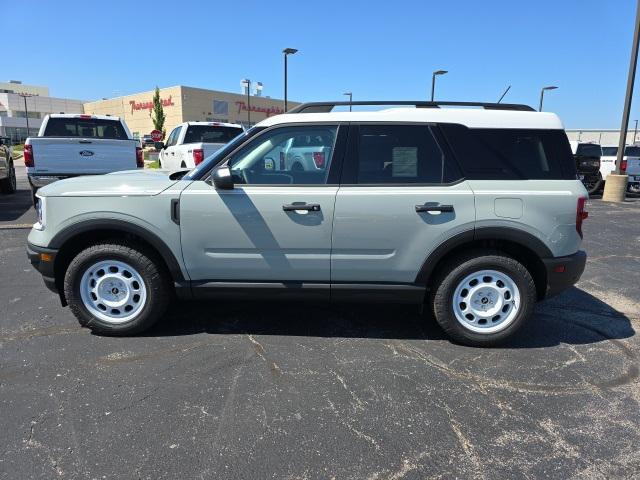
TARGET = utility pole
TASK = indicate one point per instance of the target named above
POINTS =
(26, 111)
(616, 184)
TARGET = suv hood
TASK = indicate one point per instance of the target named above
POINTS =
(117, 184)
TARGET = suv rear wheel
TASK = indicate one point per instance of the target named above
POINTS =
(483, 297)
(9, 185)
(116, 289)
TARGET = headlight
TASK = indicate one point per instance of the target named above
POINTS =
(41, 211)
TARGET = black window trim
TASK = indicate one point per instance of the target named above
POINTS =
(438, 136)
(337, 159)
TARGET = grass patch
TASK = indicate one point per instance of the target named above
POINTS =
(155, 164)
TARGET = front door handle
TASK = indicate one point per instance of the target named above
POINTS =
(311, 207)
(434, 208)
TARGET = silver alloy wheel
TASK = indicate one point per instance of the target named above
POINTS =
(486, 301)
(113, 291)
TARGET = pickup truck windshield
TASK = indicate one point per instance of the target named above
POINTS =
(632, 151)
(609, 151)
(210, 134)
(589, 150)
(85, 128)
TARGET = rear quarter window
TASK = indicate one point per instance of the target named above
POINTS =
(511, 154)
(85, 128)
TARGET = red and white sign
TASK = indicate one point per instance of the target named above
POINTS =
(166, 102)
(156, 135)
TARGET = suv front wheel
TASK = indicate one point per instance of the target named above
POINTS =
(483, 297)
(116, 289)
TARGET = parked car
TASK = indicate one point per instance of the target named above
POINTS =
(476, 214)
(587, 158)
(191, 142)
(147, 141)
(7, 170)
(70, 145)
(630, 164)
(304, 153)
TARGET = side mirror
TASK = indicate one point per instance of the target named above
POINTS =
(158, 145)
(222, 178)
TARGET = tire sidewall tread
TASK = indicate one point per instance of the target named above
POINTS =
(460, 266)
(140, 258)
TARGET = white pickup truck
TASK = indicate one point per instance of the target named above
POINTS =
(191, 142)
(69, 145)
(630, 164)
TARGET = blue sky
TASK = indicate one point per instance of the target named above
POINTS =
(377, 49)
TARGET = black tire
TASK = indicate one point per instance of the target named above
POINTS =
(34, 199)
(9, 185)
(150, 268)
(455, 271)
(594, 187)
(297, 167)
(633, 188)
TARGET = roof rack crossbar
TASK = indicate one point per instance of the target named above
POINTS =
(323, 107)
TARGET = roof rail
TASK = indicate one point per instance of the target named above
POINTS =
(323, 107)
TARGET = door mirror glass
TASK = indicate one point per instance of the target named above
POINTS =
(159, 145)
(222, 178)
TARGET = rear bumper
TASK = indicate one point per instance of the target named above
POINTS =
(45, 268)
(564, 272)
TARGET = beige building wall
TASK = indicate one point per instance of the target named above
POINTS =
(15, 87)
(183, 104)
(603, 137)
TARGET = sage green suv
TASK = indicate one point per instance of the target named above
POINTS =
(475, 212)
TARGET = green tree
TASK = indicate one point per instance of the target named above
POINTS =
(158, 115)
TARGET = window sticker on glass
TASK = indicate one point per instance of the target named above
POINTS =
(405, 162)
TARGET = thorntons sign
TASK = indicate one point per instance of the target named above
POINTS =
(166, 102)
(268, 111)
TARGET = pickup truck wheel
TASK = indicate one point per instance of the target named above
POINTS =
(9, 184)
(483, 297)
(116, 289)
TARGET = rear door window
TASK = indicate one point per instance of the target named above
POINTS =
(398, 154)
(518, 154)
(85, 128)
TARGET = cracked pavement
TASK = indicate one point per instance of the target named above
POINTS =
(306, 391)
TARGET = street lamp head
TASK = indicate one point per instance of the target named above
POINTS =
(289, 51)
(552, 87)
(440, 72)
(347, 93)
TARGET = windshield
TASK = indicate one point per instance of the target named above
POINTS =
(213, 159)
(589, 150)
(609, 151)
(632, 151)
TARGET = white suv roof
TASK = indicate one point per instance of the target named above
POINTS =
(217, 124)
(488, 117)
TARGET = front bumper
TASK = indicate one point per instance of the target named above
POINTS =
(43, 260)
(564, 272)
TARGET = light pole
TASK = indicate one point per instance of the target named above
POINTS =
(635, 131)
(433, 81)
(286, 52)
(616, 184)
(350, 99)
(247, 83)
(26, 112)
(542, 95)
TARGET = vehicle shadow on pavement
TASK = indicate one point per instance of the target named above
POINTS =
(574, 317)
(15, 205)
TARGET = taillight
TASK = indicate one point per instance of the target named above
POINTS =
(28, 156)
(581, 214)
(318, 159)
(139, 157)
(623, 166)
(198, 156)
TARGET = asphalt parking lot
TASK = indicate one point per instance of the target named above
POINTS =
(287, 391)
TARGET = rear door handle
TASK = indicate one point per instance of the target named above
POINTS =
(311, 207)
(434, 208)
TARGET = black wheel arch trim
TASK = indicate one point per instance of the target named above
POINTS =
(126, 227)
(513, 235)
